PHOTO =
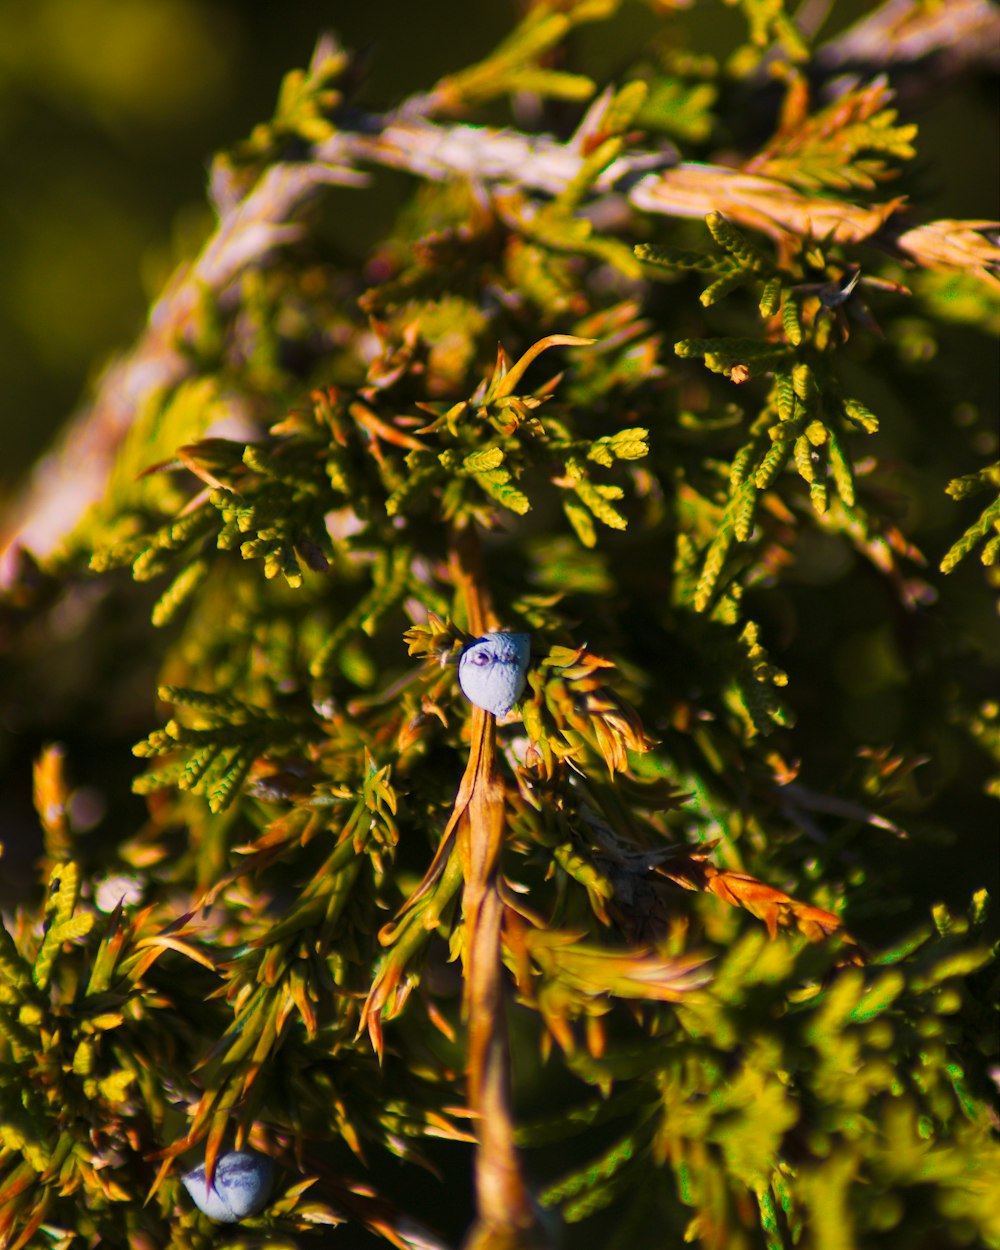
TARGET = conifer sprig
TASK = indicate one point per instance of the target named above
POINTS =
(357, 910)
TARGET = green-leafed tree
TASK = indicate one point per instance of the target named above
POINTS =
(658, 957)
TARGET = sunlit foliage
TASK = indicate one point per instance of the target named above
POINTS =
(631, 950)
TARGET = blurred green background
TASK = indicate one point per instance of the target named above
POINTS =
(110, 111)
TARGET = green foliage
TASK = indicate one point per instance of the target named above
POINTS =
(986, 527)
(720, 1031)
(838, 1050)
(826, 149)
(518, 63)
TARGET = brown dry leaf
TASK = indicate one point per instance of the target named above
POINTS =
(775, 908)
(767, 903)
(958, 34)
(759, 203)
(971, 246)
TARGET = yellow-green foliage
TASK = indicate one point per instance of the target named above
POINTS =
(750, 743)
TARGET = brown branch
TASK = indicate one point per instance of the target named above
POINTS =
(475, 833)
(504, 1209)
(503, 1206)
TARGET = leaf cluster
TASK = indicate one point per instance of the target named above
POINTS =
(708, 1044)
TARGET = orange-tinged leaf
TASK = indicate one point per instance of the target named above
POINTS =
(154, 947)
(968, 246)
(764, 204)
(51, 798)
(508, 378)
(34, 1222)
